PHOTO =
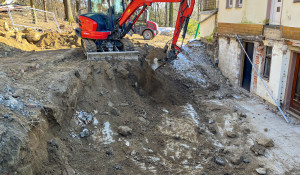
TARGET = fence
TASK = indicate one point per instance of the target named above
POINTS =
(28, 17)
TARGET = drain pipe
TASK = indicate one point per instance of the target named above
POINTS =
(277, 104)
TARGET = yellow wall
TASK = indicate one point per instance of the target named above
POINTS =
(252, 12)
(290, 14)
(207, 27)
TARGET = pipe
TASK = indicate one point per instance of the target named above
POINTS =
(277, 104)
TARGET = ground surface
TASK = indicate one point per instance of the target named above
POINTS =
(185, 118)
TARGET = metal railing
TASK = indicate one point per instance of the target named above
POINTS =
(28, 17)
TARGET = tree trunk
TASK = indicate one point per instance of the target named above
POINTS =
(77, 5)
(171, 15)
(68, 11)
(166, 17)
(33, 13)
(45, 8)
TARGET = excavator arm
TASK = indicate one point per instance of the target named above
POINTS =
(184, 13)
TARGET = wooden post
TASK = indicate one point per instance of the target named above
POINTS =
(45, 8)
(33, 12)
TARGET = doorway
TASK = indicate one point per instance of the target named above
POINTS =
(295, 98)
(276, 12)
(247, 72)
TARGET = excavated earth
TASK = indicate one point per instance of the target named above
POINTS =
(176, 114)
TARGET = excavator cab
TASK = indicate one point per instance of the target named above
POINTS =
(97, 31)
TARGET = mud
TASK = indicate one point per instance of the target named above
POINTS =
(169, 115)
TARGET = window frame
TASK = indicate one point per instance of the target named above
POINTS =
(238, 4)
(268, 56)
(228, 6)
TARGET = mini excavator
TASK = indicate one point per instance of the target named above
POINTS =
(104, 27)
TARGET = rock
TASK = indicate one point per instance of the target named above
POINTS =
(261, 170)
(211, 121)
(19, 37)
(122, 72)
(236, 160)
(124, 131)
(5, 26)
(73, 46)
(212, 129)
(266, 142)
(115, 111)
(84, 133)
(143, 120)
(18, 93)
(231, 134)
(33, 36)
(243, 115)
(219, 161)
(246, 161)
(257, 149)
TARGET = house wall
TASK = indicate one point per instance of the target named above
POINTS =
(207, 27)
(229, 59)
(290, 14)
(278, 73)
(252, 12)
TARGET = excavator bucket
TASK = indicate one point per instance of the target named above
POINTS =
(120, 56)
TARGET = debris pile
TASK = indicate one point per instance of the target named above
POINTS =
(84, 118)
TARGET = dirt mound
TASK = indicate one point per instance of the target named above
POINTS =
(56, 40)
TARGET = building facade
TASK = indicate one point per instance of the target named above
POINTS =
(270, 33)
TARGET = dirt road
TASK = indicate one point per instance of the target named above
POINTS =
(64, 115)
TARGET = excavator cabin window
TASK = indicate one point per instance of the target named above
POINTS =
(104, 6)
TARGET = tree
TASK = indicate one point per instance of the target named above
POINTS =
(77, 6)
(45, 8)
(33, 12)
(68, 11)
(171, 15)
(166, 15)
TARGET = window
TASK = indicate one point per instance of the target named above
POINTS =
(268, 59)
(229, 3)
(296, 0)
(239, 4)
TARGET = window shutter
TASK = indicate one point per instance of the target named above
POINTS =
(237, 3)
(227, 3)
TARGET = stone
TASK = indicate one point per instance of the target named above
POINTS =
(5, 26)
(246, 161)
(243, 115)
(212, 129)
(19, 37)
(261, 170)
(115, 111)
(219, 161)
(124, 131)
(33, 36)
(73, 46)
(84, 133)
(211, 121)
(257, 149)
(122, 72)
(143, 120)
(231, 134)
(266, 142)
(18, 93)
(236, 160)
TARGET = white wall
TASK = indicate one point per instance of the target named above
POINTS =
(229, 59)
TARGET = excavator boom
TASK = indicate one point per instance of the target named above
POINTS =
(104, 29)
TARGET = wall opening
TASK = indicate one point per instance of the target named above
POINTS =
(247, 71)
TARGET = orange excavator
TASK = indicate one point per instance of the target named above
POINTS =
(107, 22)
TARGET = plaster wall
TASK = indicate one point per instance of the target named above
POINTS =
(252, 12)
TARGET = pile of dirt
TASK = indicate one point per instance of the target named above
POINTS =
(53, 40)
